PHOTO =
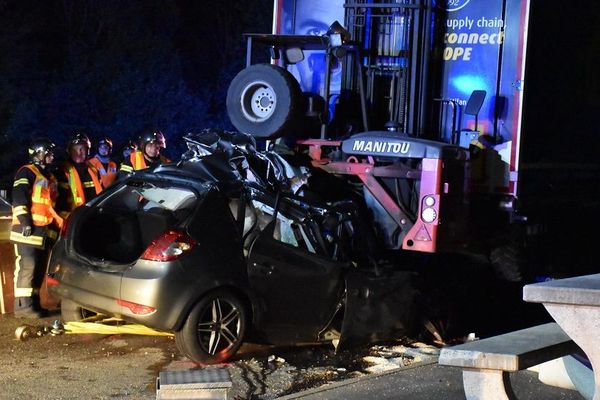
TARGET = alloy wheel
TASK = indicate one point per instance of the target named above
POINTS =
(219, 326)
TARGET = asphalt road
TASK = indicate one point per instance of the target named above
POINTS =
(80, 366)
(429, 381)
(92, 366)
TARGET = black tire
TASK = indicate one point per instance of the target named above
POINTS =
(508, 258)
(264, 101)
(71, 311)
(214, 329)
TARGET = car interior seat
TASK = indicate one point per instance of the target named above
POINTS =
(110, 236)
(249, 214)
(153, 222)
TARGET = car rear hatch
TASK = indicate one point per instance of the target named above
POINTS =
(107, 237)
(114, 231)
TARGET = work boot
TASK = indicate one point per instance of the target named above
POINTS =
(24, 308)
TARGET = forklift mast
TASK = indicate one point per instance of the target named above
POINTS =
(396, 41)
(420, 63)
(418, 100)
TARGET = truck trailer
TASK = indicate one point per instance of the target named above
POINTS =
(418, 103)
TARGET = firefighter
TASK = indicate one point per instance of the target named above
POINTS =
(106, 167)
(150, 144)
(78, 181)
(128, 148)
(35, 224)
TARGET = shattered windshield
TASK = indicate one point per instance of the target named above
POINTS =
(286, 230)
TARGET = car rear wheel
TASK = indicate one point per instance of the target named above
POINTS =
(71, 311)
(214, 329)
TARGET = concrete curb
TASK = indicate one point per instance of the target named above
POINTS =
(335, 385)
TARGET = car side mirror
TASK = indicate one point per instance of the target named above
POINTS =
(294, 55)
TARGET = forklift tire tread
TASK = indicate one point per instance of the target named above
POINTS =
(264, 101)
(507, 260)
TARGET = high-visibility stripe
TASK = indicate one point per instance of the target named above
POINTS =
(126, 168)
(37, 193)
(44, 193)
(111, 167)
(75, 186)
(20, 210)
(98, 165)
(22, 181)
(32, 240)
(17, 265)
(40, 186)
(137, 160)
(42, 219)
(95, 180)
(107, 175)
(43, 200)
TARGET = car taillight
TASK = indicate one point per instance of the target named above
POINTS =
(169, 246)
(50, 281)
(135, 308)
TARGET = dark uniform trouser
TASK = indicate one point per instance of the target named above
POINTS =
(30, 265)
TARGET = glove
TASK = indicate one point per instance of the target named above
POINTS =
(27, 230)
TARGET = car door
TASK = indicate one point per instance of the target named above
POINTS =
(378, 306)
(298, 290)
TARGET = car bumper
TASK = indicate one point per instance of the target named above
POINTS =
(142, 293)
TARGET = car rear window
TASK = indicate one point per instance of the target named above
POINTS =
(139, 196)
(122, 223)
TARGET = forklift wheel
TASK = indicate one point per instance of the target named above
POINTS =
(264, 101)
(508, 259)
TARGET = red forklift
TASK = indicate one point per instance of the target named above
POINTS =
(418, 103)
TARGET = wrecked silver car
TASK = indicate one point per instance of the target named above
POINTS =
(225, 247)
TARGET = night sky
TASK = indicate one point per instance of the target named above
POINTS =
(113, 67)
(562, 89)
